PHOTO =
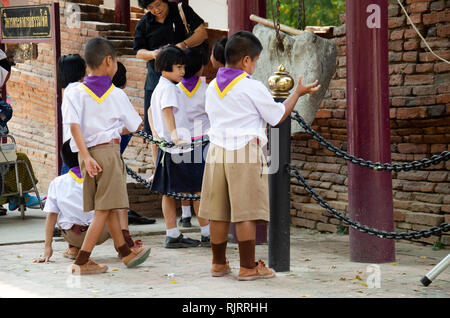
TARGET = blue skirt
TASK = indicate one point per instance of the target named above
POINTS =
(179, 173)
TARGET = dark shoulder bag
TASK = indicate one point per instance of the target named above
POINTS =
(204, 47)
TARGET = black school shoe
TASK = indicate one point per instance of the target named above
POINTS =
(181, 242)
(205, 242)
(185, 222)
(134, 218)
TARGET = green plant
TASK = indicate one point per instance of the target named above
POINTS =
(342, 230)
(437, 246)
(318, 12)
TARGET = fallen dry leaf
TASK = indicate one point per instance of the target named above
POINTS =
(115, 269)
(364, 284)
(358, 277)
(342, 278)
(306, 296)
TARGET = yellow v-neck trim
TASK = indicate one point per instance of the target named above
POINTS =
(229, 86)
(98, 99)
(188, 93)
(75, 177)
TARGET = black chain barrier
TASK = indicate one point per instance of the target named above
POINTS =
(148, 185)
(168, 144)
(436, 230)
(414, 165)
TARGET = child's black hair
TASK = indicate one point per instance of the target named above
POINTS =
(219, 50)
(71, 69)
(240, 45)
(70, 158)
(194, 62)
(120, 78)
(96, 50)
(144, 3)
(168, 56)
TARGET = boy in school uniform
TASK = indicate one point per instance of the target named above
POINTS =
(64, 207)
(234, 188)
(98, 113)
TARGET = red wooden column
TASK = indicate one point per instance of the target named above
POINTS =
(238, 19)
(368, 129)
(122, 8)
(239, 12)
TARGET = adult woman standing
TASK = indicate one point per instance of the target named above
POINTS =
(163, 25)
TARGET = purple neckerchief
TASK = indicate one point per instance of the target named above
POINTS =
(226, 75)
(190, 83)
(99, 85)
(76, 171)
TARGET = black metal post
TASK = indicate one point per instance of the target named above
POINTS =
(279, 180)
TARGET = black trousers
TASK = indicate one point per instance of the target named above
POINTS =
(147, 101)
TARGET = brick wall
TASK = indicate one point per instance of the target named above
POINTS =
(31, 93)
(420, 126)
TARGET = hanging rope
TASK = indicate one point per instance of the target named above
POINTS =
(420, 35)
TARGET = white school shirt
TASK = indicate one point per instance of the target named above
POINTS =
(65, 197)
(101, 118)
(166, 94)
(241, 112)
(193, 103)
(66, 128)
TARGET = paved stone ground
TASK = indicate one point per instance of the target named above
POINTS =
(320, 267)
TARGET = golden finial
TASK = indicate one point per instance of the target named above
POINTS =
(281, 83)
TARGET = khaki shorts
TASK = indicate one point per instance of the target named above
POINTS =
(235, 185)
(76, 240)
(108, 189)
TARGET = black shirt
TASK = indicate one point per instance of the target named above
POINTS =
(151, 35)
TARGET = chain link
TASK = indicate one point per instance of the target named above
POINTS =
(148, 185)
(436, 230)
(414, 165)
(168, 144)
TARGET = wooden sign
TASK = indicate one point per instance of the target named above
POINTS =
(27, 22)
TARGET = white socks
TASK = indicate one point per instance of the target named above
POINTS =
(186, 211)
(205, 230)
(174, 233)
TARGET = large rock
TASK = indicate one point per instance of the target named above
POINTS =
(306, 54)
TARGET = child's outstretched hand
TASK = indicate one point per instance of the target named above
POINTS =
(48, 252)
(306, 89)
(92, 167)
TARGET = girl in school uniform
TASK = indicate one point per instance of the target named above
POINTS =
(192, 99)
(175, 172)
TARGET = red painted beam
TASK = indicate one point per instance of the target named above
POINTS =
(240, 11)
(368, 128)
(122, 8)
